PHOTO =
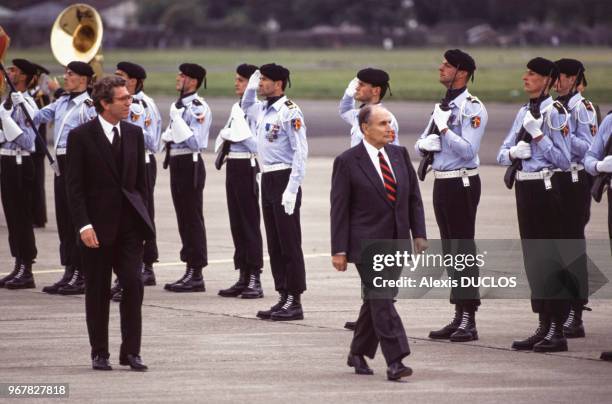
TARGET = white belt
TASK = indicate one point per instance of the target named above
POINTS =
(182, 152)
(544, 175)
(463, 173)
(239, 155)
(148, 155)
(60, 151)
(275, 167)
(574, 169)
(18, 154)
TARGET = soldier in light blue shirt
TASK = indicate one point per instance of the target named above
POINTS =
(368, 88)
(17, 141)
(237, 146)
(186, 136)
(538, 197)
(143, 113)
(69, 111)
(282, 148)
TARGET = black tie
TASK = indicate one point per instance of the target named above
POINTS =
(116, 146)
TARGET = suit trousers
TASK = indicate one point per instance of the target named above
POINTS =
(455, 207)
(151, 254)
(242, 193)
(540, 225)
(39, 203)
(124, 257)
(283, 233)
(188, 204)
(379, 322)
(69, 251)
(16, 184)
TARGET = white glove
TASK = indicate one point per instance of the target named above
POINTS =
(6, 113)
(225, 134)
(11, 129)
(522, 150)
(176, 113)
(288, 201)
(533, 126)
(605, 165)
(180, 130)
(17, 98)
(253, 83)
(351, 89)
(441, 117)
(431, 143)
(167, 135)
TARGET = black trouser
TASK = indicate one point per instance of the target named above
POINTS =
(283, 233)
(151, 254)
(379, 322)
(69, 253)
(39, 203)
(17, 181)
(576, 211)
(539, 215)
(455, 208)
(188, 204)
(124, 256)
(243, 205)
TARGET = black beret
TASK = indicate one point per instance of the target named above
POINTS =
(246, 70)
(459, 59)
(133, 70)
(375, 77)
(25, 66)
(571, 67)
(543, 67)
(274, 72)
(193, 70)
(40, 69)
(81, 68)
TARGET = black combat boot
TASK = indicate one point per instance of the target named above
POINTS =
(253, 289)
(148, 276)
(75, 286)
(291, 310)
(573, 326)
(528, 343)
(554, 341)
(167, 286)
(265, 314)
(10, 276)
(446, 331)
(24, 279)
(52, 289)
(236, 289)
(467, 329)
(191, 282)
(606, 356)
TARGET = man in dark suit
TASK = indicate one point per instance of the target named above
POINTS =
(375, 195)
(106, 194)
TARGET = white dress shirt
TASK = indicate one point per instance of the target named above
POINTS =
(373, 153)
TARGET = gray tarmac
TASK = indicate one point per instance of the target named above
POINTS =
(204, 348)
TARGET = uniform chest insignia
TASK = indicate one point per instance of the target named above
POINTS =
(593, 129)
(134, 117)
(296, 123)
(147, 122)
(272, 132)
(475, 121)
(565, 130)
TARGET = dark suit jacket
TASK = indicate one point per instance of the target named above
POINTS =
(96, 190)
(360, 209)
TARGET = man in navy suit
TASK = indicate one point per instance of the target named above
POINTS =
(105, 184)
(375, 195)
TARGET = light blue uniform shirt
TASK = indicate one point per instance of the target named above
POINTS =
(144, 113)
(350, 115)
(583, 126)
(461, 142)
(198, 117)
(280, 133)
(552, 151)
(27, 140)
(247, 145)
(596, 152)
(66, 115)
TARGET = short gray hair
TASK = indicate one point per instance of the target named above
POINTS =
(104, 90)
(366, 111)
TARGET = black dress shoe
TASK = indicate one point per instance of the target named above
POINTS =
(100, 363)
(148, 276)
(350, 325)
(606, 356)
(135, 362)
(397, 370)
(359, 363)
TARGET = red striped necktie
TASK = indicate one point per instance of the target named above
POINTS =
(389, 181)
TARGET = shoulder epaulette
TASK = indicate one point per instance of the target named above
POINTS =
(144, 103)
(559, 107)
(89, 102)
(197, 102)
(290, 104)
(587, 104)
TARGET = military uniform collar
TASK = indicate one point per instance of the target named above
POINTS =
(546, 103)
(189, 98)
(575, 100)
(139, 95)
(279, 103)
(458, 100)
(81, 98)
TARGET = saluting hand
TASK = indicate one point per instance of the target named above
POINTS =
(89, 238)
(339, 262)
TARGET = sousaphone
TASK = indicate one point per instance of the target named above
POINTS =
(77, 36)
